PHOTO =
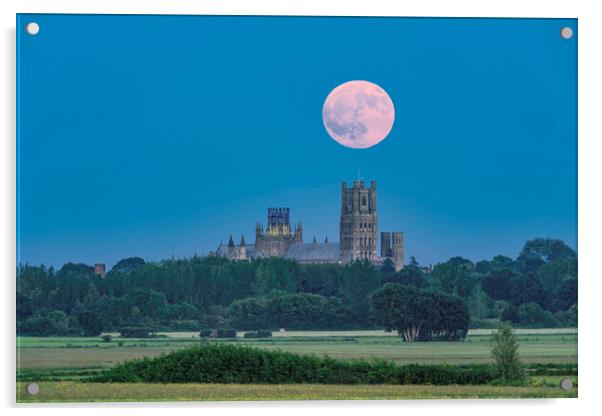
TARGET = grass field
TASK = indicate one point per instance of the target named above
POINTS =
(78, 392)
(58, 362)
(536, 346)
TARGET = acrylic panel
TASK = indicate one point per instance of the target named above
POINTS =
(278, 208)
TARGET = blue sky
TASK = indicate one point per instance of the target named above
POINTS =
(155, 136)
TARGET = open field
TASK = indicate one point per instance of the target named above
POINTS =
(536, 346)
(80, 392)
(379, 333)
(58, 363)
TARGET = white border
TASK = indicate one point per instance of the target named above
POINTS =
(466, 8)
(590, 170)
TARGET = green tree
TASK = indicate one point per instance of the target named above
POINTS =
(148, 302)
(90, 323)
(483, 267)
(558, 281)
(182, 311)
(533, 315)
(452, 317)
(413, 262)
(304, 311)
(388, 266)
(24, 308)
(404, 309)
(250, 314)
(44, 323)
(410, 276)
(504, 349)
(497, 283)
(275, 274)
(456, 276)
(526, 289)
(92, 297)
(540, 251)
(201, 288)
(358, 281)
(288, 310)
(568, 317)
(320, 279)
(127, 265)
(480, 304)
(72, 269)
(510, 314)
(501, 262)
(55, 299)
(564, 295)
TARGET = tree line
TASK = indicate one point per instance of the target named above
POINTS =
(538, 288)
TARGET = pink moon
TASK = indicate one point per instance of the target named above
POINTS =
(358, 114)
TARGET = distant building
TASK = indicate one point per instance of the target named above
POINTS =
(100, 269)
(427, 269)
(358, 231)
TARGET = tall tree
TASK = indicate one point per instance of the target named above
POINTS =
(404, 309)
(409, 275)
(388, 266)
(72, 269)
(565, 294)
(456, 276)
(452, 317)
(127, 265)
(358, 281)
(480, 303)
(497, 283)
(540, 251)
(526, 288)
(504, 349)
(91, 323)
(501, 262)
(275, 274)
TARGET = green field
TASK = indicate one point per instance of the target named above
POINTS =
(78, 392)
(55, 362)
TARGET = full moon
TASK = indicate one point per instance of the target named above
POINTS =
(358, 114)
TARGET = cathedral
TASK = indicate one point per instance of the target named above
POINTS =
(358, 235)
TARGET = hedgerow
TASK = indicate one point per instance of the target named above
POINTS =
(221, 363)
(551, 369)
(218, 333)
(135, 332)
(258, 334)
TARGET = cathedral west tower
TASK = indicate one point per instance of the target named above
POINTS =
(359, 222)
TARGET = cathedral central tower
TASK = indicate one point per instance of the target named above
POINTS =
(359, 222)
(278, 236)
